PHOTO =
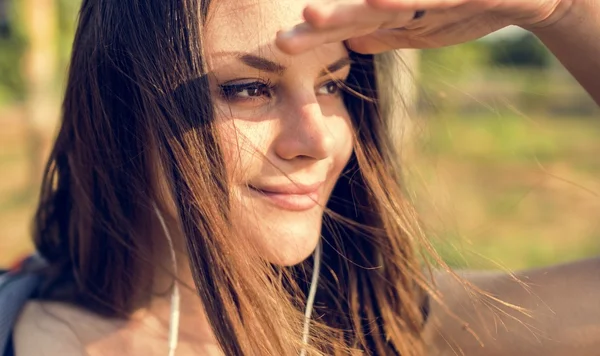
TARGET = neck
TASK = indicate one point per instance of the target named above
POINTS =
(193, 325)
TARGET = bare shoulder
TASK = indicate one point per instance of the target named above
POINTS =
(49, 328)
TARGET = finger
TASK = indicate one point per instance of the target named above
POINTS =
(337, 22)
(375, 43)
(304, 37)
(414, 5)
(322, 16)
(386, 40)
(350, 12)
(437, 29)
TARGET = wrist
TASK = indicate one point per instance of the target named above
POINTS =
(552, 15)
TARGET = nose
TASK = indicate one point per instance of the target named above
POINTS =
(304, 133)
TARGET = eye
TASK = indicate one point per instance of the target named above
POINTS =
(246, 91)
(329, 88)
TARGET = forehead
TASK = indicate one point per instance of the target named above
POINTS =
(248, 26)
(245, 25)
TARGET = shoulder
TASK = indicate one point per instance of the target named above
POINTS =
(52, 328)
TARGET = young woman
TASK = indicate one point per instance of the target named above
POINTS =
(214, 180)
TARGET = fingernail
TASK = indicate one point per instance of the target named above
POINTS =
(285, 34)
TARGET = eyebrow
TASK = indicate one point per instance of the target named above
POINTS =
(268, 65)
(261, 63)
(335, 66)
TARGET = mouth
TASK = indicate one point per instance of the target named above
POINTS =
(292, 197)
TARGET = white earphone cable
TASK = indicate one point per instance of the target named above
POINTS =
(175, 298)
(311, 298)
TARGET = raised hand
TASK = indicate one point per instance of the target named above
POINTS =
(374, 26)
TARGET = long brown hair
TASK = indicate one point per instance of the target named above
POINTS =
(136, 81)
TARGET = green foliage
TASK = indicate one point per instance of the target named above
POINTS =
(67, 21)
(442, 69)
(503, 187)
(12, 47)
(454, 61)
(520, 51)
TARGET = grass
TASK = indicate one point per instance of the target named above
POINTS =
(509, 190)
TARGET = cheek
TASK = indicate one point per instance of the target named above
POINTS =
(340, 126)
(344, 137)
(244, 145)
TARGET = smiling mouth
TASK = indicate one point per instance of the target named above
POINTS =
(290, 197)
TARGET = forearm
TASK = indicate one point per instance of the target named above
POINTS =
(562, 301)
(574, 38)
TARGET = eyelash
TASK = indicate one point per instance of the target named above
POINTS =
(229, 92)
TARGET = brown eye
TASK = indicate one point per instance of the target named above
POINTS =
(252, 91)
(243, 91)
(258, 90)
(329, 88)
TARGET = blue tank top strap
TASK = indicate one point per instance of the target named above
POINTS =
(16, 287)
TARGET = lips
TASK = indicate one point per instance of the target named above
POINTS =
(293, 197)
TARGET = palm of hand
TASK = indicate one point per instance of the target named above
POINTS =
(374, 26)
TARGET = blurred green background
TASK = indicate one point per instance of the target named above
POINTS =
(504, 146)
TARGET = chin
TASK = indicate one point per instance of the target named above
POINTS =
(287, 240)
(283, 237)
(292, 255)
(290, 245)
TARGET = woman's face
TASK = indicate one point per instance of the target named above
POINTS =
(285, 131)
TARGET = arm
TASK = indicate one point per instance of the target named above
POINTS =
(569, 28)
(564, 302)
(573, 35)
